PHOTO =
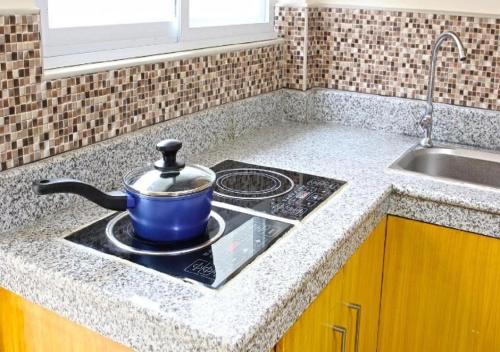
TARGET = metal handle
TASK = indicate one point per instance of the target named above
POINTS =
(343, 333)
(357, 308)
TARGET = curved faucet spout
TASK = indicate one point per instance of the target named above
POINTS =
(432, 73)
(427, 121)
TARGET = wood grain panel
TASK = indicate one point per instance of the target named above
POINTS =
(362, 287)
(358, 282)
(441, 290)
(26, 327)
(314, 330)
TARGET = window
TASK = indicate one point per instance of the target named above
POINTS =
(75, 32)
(227, 12)
(227, 21)
(87, 31)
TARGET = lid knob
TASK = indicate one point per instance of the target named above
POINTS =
(169, 149)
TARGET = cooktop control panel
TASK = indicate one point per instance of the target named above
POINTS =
(301, 193)
(303, 199)
(245, 237)
(233, 251)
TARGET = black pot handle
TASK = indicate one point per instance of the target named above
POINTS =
(111, 200)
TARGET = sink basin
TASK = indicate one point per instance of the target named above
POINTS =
(472, 166)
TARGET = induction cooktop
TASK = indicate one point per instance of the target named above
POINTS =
(253, 207)
(281, 193)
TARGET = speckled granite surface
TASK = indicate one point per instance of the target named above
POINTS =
(154, 312)
(454, 124)
(104, 164)
(445, 214)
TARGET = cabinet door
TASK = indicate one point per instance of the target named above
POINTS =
(441, 290)
(316, 329)
(26, 327)
(345, 315)
(361, 292)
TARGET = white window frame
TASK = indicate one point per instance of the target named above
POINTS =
(78, 46)
(218, 35)
(81, 45)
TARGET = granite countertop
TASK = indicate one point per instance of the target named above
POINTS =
(154, 312)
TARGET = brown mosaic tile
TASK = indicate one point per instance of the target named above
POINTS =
(291, 24)
(370, 51)
(388, 53)
(40, 118)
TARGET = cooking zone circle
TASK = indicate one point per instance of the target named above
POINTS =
(121, 233)
(252, 184)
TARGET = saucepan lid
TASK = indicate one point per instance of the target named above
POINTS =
(169, 177)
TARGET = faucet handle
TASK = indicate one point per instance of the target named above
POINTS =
(426, 122)
(426, 127)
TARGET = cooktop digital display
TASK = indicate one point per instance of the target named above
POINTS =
(254, 206)
(282, 193)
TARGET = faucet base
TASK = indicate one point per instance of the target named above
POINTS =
(426, 142)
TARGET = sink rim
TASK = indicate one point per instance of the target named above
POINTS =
(484, 155)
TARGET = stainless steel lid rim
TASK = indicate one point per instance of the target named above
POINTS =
(176, 195)
(131, 178)
(209, 183)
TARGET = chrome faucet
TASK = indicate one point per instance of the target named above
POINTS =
(426, 121)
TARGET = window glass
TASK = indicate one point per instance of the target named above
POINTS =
(204, 13)
(76, 32)
(90, 13)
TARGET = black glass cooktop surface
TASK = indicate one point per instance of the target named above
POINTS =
(244, 238)
(254, 206)
(281, 193)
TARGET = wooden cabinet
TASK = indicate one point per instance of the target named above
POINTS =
(26, 327)
(361, 291)
(440, 293)
(345, 315)
(441, 290)
(314, 331)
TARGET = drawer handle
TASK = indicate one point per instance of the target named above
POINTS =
(343, 333)
(357, 309)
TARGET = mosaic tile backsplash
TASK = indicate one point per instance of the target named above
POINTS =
(370, 51)
(291, 24)
(388, 53)
(41, 118)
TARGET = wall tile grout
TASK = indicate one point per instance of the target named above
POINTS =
(41, 118)
(373, 51)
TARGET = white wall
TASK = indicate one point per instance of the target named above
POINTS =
(491, 7)
(292, 2)
(467, 6)
(14, 7)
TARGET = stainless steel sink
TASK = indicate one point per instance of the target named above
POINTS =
(477, 167)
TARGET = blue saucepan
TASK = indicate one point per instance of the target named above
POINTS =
(167, 202)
